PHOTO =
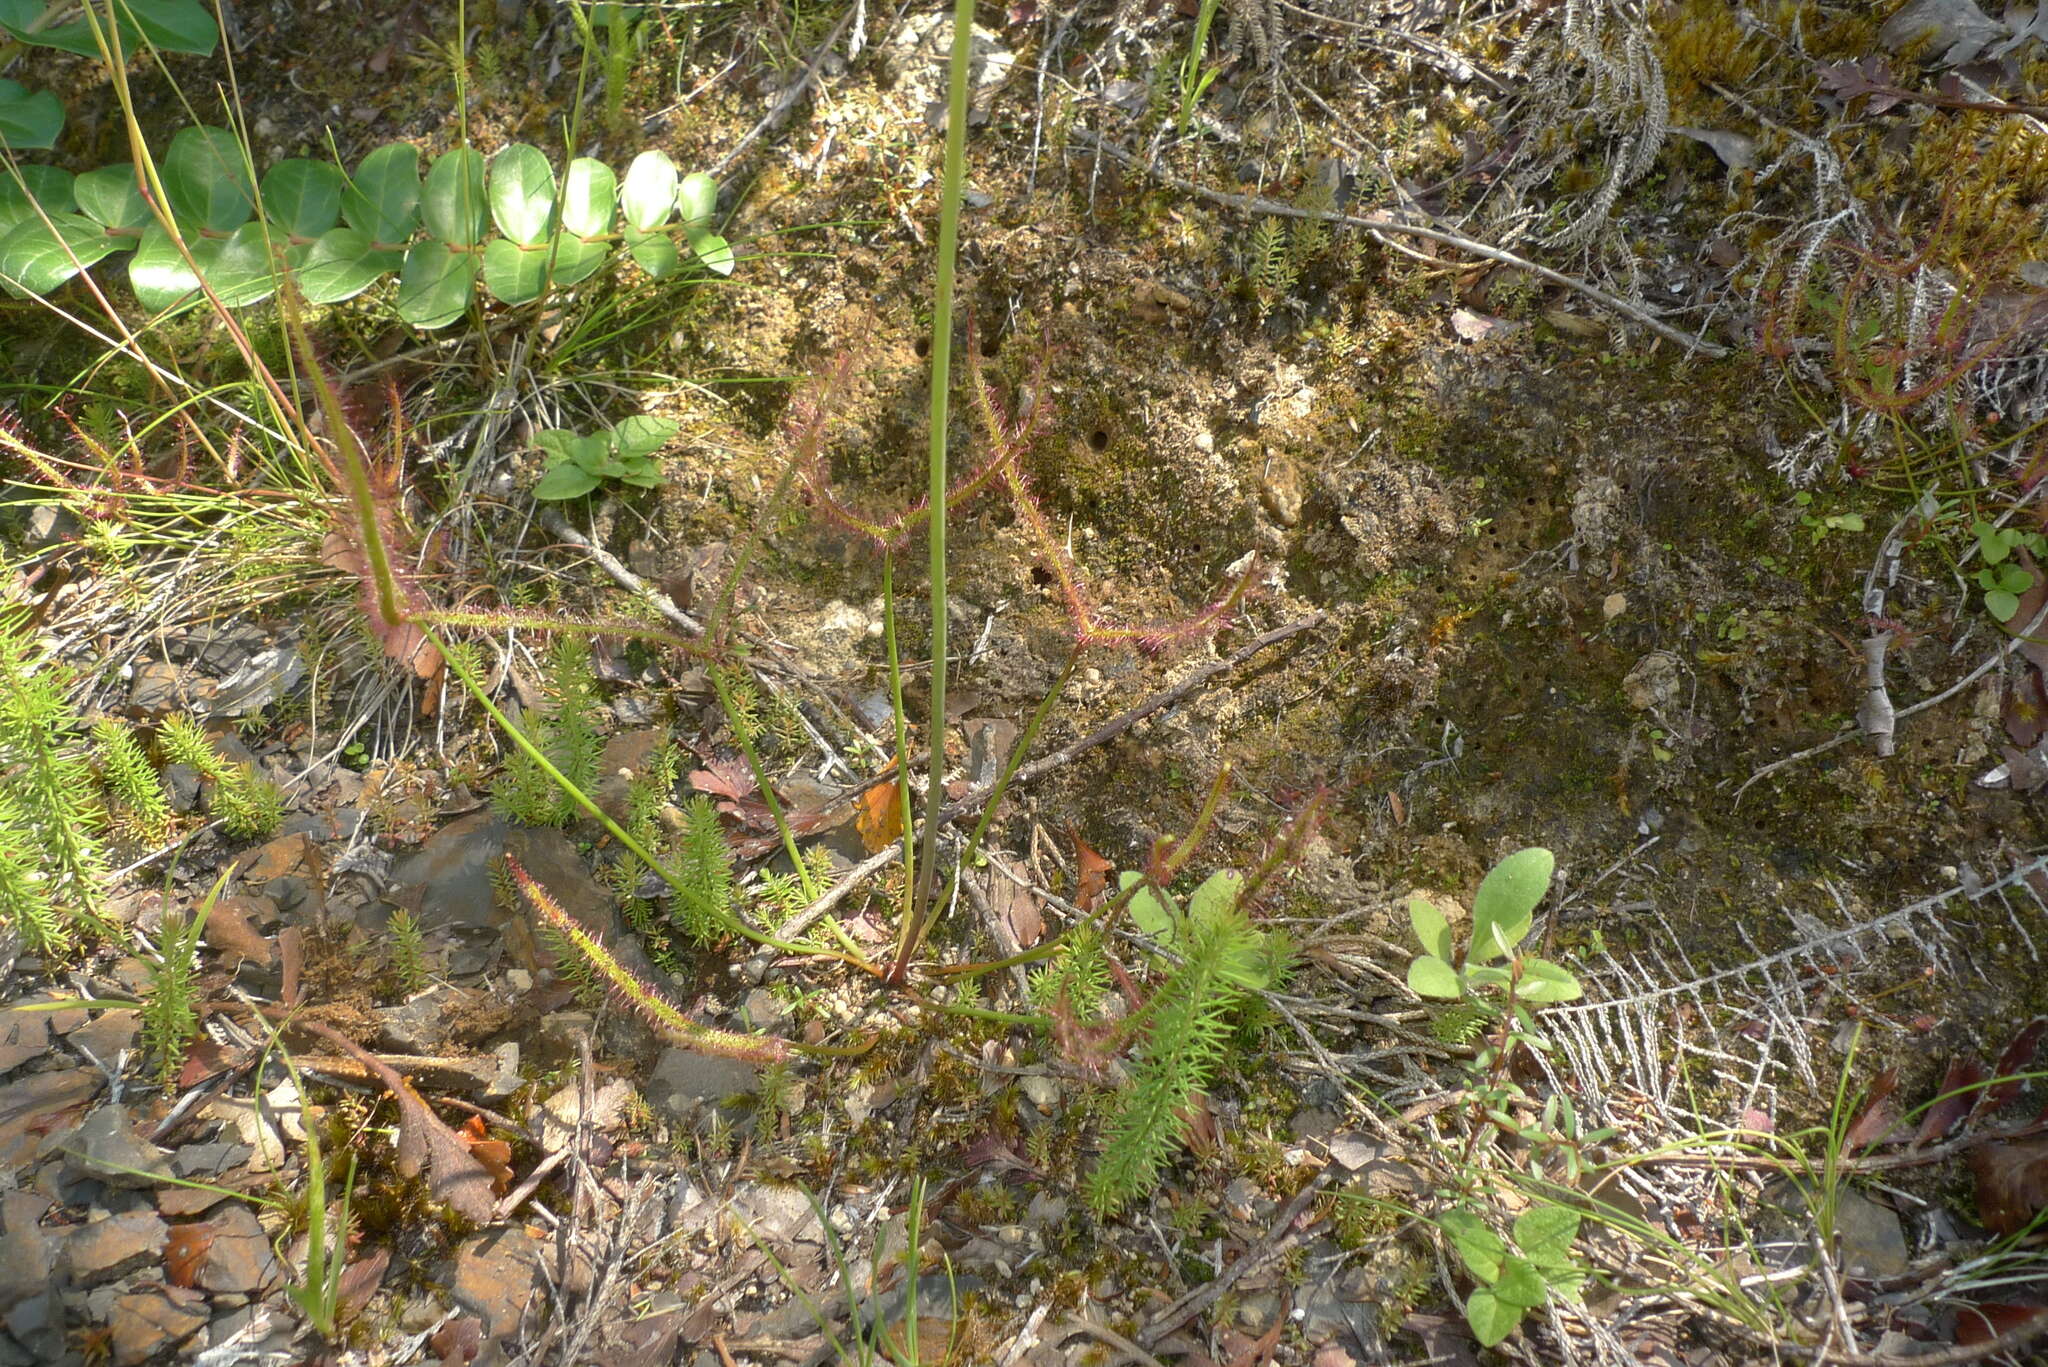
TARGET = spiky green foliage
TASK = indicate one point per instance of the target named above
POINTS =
(706, 864)
(408, 951)
(564, 728)
(1077, 976)
(250, 806)
(52, 818)
(170, 1004)
(1186, 1032)
(136, 796)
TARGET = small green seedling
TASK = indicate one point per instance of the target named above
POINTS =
(1819, 525)
(1159, 917)
(1515, 1281)
(577, 464)
(1501, 917)
(2001, 579)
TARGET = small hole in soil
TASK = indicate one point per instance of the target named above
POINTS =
(923, 347)
(1040, 575)
(1098, 440)
(991, 345)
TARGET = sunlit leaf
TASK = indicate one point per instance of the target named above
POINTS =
(1432, 931)
(109, 196)
(697, 198)
(1507, 897)
(565, 481)
(35, 260)
(654, 252)
(643, 435)
(1429, 976)
(435, 284)
(712, 251)
(512, 273)
(452, 199)
(589, 196)
(522, 197)
(207, 181)
(648, 196)
(303, 197)
(48, 186)
(342, 264)
(242, 272)
(384, 198)
(30, 120)
(576, 259)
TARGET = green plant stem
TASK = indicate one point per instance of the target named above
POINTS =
(954, 181)
(902, 720)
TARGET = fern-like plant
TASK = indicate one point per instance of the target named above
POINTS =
(49, 820)
(249, 806)
(564, 728)
(408, 952)
(170, 1004)
(706, 865)
(136, 796)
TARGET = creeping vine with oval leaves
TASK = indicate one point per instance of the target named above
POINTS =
(339, 234)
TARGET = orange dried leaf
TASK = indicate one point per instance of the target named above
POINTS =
(880, 818)
(185, 1253)
(1094, 875)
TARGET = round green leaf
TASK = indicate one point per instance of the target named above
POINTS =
(1429, 976)
(2001, 605)
(342, 264)
(1501, 912)
(1216, 896)
(160, 276)
(1519, 1283)
(109, 196)
(1544, 981)
(242, 272)
(713, 253)
(642, 479)
(697, 198)
(1148, 912)
(175, 25)
(512, 273)
(1492, 1319)
(73, 37)
(1432, 931)
(435, 284)
(654, 252)
(1545, 1233)
(1479, 1246)
(207, 181)
(588, 199)
(522, 196)
(648, 196)
(35, 260)
(565, 481)
(576, 259)
(452, 199)
(30, 120)
(643, 435)
(384, 198)
(48, 186)
(302, 197)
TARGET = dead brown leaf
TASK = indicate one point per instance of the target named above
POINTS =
(1094, 875)
(185, 1251)
(2012, 1183)
(359, 1282)
(880, 816)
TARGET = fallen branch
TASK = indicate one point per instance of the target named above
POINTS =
(1472, 246)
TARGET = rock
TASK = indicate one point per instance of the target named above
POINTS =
(553, 860)
(496, 1275)
(181, 785)
(48, 524)
(762, 1010)
(24, 1035)
(1869, 1239)
(1596, 514)
(1280, 491)
(106, 1148)
(210, 1160)
(419, 1026)
(240, 1259)
(258, 680)
(684, 1081)
(145, 1324)
(37, 1322)
(109, 1034)
(28, 1252)
(160, 688)
(1043, 1091)
(505, 1079)
(1653, 685)
(113, 1247)
(34, 1107)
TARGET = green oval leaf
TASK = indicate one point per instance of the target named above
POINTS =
(1215, 897)
(1492, 1319)
(576, 259)
(342, 264)
(589, 195)
(565, 481)
(302, 197)
(697, 198)
(435, 284)
(158, 273)
(110, 197)
(1501, 911)
(1432, 931)
(48, 186)
(648, 196)
(1545, 1234)
(522, 196)
(384, 198)
(175, 25)
(30, 120)
(643, 435)
(713, 253)
(242, 272)
(35, 260)
(207, 181)
(1519, 1283)
(512, 273)
(1148, 912)
(1543, 981)
(1429, 976)
(1479, 1246)
(452, 199)
(654, 252)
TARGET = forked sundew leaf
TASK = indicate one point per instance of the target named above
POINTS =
(697, 198)
(48, 186)
(1429, 976)
(302, 197)
(384, 198)
(30, 120)
(567, 480)
(642, 435)
(648, 196)
(589, 197)
(435, 284)
(452, 198)
(1503, 908)
(575, 259)
(342, 264)
(35, 260)
(512, 273)
(522, 196)
(654, 252)
(207, 180)
(109, 195)
(1432, 931)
